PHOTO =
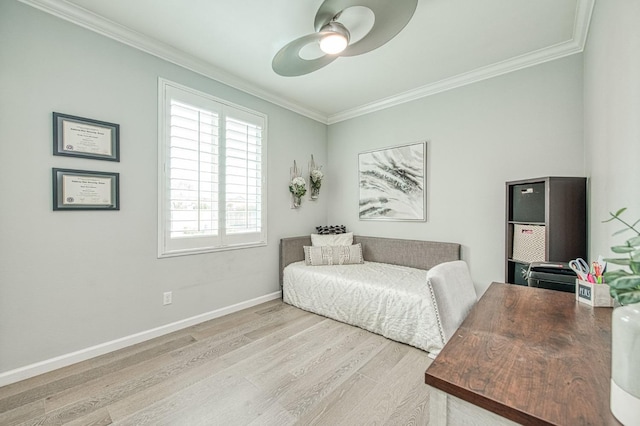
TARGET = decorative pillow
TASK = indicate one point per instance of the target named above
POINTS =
(331, 229)
(332, 240)
(333, 255)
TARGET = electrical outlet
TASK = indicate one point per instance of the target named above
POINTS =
(167, 298)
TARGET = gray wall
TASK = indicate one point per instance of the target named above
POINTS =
(71, 280)
(521, 125)
(612, 117)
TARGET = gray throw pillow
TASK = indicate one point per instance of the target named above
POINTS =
(333, 255)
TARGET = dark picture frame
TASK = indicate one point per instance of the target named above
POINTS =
(85, 138)
(85, 190)
(392, 183)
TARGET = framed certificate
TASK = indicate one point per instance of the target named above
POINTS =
(85, 190)
(82, 137)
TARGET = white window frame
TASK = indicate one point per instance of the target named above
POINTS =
(168, 247)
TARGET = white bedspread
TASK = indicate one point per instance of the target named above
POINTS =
(390, 300)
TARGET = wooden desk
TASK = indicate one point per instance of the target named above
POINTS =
(531, 355)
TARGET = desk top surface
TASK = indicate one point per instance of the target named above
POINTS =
(532, 355)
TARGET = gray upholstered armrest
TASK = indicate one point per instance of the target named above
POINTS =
(454, 294)
(291, 250)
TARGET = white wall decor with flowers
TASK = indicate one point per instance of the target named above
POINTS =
(297, 186)
(315, 178)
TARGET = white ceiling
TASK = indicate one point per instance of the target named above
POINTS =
(447, 43)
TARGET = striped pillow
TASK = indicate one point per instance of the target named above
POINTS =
(333, 255)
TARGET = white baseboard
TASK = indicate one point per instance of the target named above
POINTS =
(48, 365)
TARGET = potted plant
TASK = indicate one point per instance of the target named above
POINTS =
(315, 178)
(625, 285)
(625, 325)
(297, 187)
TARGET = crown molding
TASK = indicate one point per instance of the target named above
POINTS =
(125, 35)
(584, 9)
(91, 21)
(477, 75)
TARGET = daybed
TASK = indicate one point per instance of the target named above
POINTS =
(414, 292)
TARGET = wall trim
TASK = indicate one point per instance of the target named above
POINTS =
(100, 25)
(513, 64)
(584, 11)
(65, 360)
(96, 23)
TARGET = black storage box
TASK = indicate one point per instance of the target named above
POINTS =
(552, 275)
(528, 202)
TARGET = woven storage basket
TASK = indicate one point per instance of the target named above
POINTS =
(528, 243)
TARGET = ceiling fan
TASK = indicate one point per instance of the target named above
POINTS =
(343, 28)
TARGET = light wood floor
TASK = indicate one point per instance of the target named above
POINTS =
(272, 364)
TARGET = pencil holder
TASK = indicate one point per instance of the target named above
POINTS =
(596, 295)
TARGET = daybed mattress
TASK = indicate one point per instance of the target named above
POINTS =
(394, 301)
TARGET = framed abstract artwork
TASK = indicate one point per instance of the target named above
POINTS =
(393, 183)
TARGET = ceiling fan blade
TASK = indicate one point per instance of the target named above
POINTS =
(288, 63)
(390, 18)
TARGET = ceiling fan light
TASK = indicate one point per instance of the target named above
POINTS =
(335, 38)
(333, 43)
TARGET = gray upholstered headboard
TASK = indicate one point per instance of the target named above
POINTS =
(412, 253)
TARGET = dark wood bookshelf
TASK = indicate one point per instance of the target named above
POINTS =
(557, 203)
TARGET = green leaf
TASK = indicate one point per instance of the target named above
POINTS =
(619, 212)
(626, 290)
(618, 261)
(626, 282)
(610, 276)
(635, 267)
(622, 249)
(620, 231)
(615, 216)
(635, 241)
(628, 297)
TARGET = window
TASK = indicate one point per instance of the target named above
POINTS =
(211, 177)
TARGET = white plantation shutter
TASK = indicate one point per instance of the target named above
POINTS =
(243, 174)
(211, 174)
(193, 171)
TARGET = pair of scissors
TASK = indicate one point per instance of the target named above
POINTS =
(580, 267)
